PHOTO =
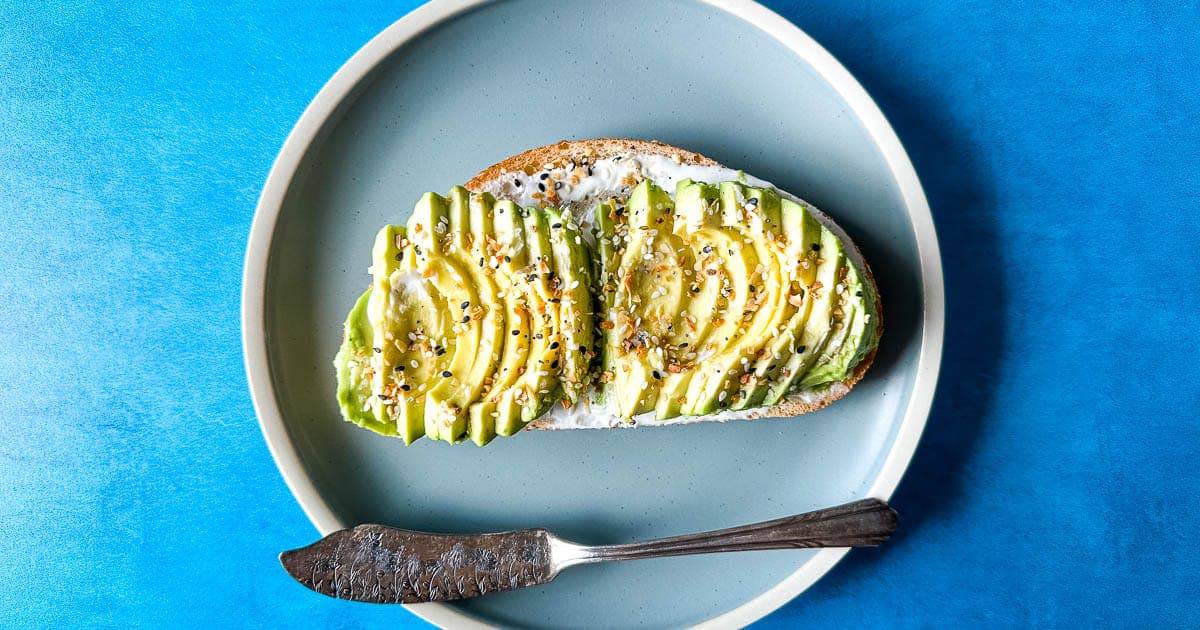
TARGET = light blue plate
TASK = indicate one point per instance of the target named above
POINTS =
(447, 92)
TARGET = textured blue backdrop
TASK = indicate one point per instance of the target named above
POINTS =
(1056, 484)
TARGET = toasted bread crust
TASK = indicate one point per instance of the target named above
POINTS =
(565, 151)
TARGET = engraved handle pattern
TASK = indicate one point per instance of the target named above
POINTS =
(373, 563)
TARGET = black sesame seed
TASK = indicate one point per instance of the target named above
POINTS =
(657, 375)
(466, 318)
(554, 364)
(554, 345)
(507, 259)
(858, 293)
(541, 187)
(683, 345)
(556, 225)
(816, 247)
(517, 183)
(582, 348)
(752, 202)
(543, 175)
(515, 333)
(377, 350)
(447, 373)
(406, 387)
(464, 305)
(538, 336)
(399, 368)
(801, 349)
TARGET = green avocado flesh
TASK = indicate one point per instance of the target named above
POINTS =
(482, 315)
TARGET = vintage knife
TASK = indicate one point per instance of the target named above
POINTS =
(379, 564)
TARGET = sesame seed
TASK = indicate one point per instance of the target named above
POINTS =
(464, 305)
(517, 182)
(447, 373)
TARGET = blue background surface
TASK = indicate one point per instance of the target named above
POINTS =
(1056, 484)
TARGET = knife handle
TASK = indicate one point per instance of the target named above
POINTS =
(864, 523)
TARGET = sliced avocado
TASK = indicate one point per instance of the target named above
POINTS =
(817, 326)
(864, 291)
(394, 312)
(803, 237)
(476, 323)
(481, 423)
(575, 302)
(754, 304)
(385, 260)
(610, 230)
(429, 217)
(507, 255)
(353, 363)
(648, 297)
(850, 340)
(606, 222)
(697, 221)
(538, 386)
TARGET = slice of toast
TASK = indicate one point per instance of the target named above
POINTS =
(516, 178)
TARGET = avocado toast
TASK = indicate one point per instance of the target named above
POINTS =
(605, 283)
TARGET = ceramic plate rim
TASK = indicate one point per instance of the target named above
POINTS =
(425, 17)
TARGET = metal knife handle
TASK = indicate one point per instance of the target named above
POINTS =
(865, 523)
